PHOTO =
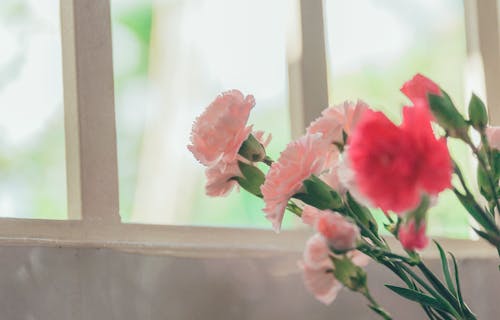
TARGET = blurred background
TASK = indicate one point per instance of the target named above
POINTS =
(171, 58)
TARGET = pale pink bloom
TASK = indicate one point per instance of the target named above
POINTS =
(332, 177)
(413, 237)
(220, 130)
(220, 179)
(340, 233)
(358, 258)
(310, 215)
(320, 283)
(302, 158)
(317, 253)
(334, 120)
(317, 267)
(259, 135)
(493, 135)
(347, 179)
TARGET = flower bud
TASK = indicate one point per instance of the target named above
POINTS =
(477, 113)
(349, 274)
(412, 235)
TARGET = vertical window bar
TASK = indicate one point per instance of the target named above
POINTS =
(91, 159)
(307, 65)
(483, 37)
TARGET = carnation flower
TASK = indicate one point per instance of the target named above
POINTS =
(340, 233)
(418, 88)
(358, 258)
(413, 237)
(220, 179)
(334, 120)
(259, 135)
(493, 135)
(219, 132)
(393, 165)
(310, 215)
(316, 254)
(316, 270)
(435, 168)
(302, 158)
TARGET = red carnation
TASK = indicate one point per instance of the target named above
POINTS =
(413, 237)
(418, 88)
(394, 165)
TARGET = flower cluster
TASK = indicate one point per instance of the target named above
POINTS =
(349, 159)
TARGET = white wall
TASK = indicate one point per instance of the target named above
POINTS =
(70, 283)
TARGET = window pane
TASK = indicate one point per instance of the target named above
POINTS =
(376, 45)
(171, 59)
(32, 165)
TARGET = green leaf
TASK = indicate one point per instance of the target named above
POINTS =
(494, 240)
(446, 270)
(457, 283)
(444, 315)
(436, 283)
(457, 279)
(380, 312)
(428, 313)
(482, 181)
(477, 113)
(483, 218)
(418, 297)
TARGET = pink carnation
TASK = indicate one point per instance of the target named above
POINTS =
(340, 233)
(316, 253)
(358, 258)
(302, 158)
(259, 135)
(418, 88)
(493, 135)
(219, 132)
(316, 267)
(333, 178)
(220, 179)
(393, 165)
(334, 120)
(412, 237)
(310, 215)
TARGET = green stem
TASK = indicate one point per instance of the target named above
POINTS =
(388, 254)
(487, 169)
(375, 306)
(373, 237)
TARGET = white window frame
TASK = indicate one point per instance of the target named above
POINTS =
(90, 133)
